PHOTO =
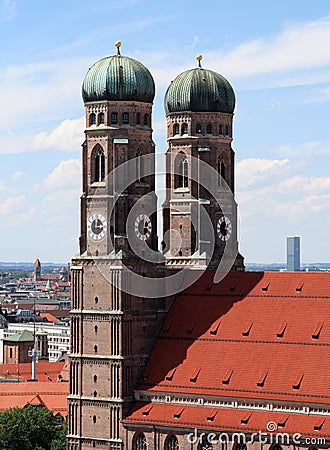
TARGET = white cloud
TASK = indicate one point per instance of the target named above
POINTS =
(266, 62)
(301, 184)
(65, 176)
(62, 196)
(67, 136)
(12, 204)
(250, 172)
(43, 91)
(299, 46)
(307, 149)
(18, 175)
(305, 207)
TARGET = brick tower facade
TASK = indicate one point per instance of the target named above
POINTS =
(112, 330)
(200, 171)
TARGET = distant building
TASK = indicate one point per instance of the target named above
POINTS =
(293, 254)
(16, 347)
(37, 270)
(58, 337)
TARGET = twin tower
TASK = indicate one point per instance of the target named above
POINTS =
(123, 279)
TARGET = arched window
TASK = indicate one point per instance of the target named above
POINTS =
(226, 130)
(92, 119)
(140, 442)
(125, 118)
(100, 118)
(98, 159)
(171, 443)
(176, 129)
(139, 167)
(145, 119)
(204, 444)
(114, 117)
(221, 172)
(220, 129)
(198, 128)
(181, 171)
(95, 348)
(94, 419)
(138, 118)
(208, 128)
(184, 128)
(95, 378)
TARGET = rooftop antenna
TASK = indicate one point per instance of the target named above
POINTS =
(34, 353)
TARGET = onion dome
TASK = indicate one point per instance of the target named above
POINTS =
(199, 90)
(118, 78)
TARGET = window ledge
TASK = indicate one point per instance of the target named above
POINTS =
(181, 189)
(98, 184)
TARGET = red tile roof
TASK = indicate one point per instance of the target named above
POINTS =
(220, 419)
(253, 335)
(49, 317)
(46, 371)
(52, 395)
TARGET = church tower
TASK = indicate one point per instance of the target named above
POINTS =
(112, 327)
(199, 212)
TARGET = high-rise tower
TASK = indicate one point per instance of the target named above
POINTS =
(199, 106)
(293, 253)
(112, 330)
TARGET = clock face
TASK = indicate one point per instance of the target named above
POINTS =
(96, 227)
(143, 227)
(224, 228)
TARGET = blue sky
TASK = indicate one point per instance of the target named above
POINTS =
(276, 55)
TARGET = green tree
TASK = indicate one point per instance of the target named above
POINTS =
(30, 428)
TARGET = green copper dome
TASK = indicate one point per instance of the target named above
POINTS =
(118, 78)
(199, 90)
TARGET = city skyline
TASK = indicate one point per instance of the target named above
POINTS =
(277, 62)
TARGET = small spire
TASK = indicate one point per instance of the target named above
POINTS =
(118, 45)
(199, 59)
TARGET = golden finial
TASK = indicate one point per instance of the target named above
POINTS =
(118, 45)
(199, 59)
